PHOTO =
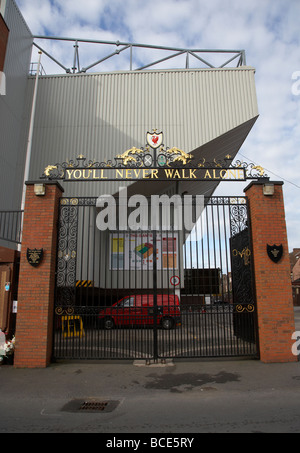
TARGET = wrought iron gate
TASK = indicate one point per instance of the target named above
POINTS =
(117, 292)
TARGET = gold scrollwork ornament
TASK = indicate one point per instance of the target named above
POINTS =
(245, 253)
(64, 310)
(249, 308)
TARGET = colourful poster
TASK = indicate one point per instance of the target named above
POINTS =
(135, 251)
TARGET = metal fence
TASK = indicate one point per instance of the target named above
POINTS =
(110, 284)
(203, 331)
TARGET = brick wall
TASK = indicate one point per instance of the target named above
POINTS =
(36, 284)
(272, 281)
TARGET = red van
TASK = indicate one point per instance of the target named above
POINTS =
(139, 310)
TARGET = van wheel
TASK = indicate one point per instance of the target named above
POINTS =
(167, 323)
(109, 323)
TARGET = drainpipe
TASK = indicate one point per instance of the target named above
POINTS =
(29, 145)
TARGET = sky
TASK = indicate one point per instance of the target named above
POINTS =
(268, 30)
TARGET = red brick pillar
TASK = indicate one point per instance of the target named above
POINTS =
(36, 284)
(272, 280)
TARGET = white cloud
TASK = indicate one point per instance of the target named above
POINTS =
(267, 29)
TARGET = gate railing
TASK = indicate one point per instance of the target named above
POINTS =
(209, 269)
(201, 331)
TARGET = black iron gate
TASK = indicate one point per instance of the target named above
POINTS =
(155, 293)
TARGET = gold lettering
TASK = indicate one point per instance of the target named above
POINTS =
(137, 173)
(102, 175)
(223, 174)
(169, 173)
(207, 174)
(119, 173)
(154, 174)
(192, 174)
(231, 174)
(84, 174)
(94, 175)
(77, 174)
(70, 173)
(183, 175)
(146, 173)
(240, 174)
(128, 173)
(177, 174)
(214, 175)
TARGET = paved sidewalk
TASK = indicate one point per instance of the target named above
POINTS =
(183, 396)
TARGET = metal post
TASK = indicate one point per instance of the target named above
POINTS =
(29, 144)
(244, 58)
(187, 63)
(75, 56)
(155, 346)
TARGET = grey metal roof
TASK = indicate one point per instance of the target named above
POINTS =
(207, 112)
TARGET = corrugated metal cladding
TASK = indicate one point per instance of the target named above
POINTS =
(103, 115)
(16, 70)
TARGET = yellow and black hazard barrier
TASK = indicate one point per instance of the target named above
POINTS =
(84, 283)
(72, 326)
